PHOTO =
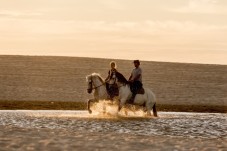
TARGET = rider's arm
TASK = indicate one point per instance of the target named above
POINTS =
(137, 77)
(130, 77)
(108, 77)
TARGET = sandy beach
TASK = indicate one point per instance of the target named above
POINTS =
(36, 78)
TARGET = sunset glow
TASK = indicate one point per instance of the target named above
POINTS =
(157, 30)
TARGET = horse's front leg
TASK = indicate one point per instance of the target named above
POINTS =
(121, 104)
(88, 105)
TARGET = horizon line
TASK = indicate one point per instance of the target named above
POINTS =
(108, 58)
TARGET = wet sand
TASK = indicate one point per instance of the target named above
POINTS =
(14, 138)
(60, 105)
(77, 130)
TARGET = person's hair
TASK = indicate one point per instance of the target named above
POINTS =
(137, 61)
(113, 62)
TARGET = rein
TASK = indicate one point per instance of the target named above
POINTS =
(93, 88)
(97, 86)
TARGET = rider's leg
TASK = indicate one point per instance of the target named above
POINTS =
(111, 93)
(134, 91)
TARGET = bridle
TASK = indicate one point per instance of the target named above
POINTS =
(93, 88)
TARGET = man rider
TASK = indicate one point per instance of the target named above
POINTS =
(135, 79)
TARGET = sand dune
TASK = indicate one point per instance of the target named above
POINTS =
(36, 78)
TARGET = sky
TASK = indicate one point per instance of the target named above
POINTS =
(192, 31)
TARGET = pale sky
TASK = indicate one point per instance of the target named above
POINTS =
(157, 30)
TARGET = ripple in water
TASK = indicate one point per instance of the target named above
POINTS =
(193, 125)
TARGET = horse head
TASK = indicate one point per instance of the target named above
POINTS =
(90, 83)
(94, 81)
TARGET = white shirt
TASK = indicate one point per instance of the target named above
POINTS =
(136, 72)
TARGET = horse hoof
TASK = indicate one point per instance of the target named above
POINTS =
(148, 115)
(90, 111)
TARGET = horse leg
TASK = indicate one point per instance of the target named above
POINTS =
(144, 108)
(126, 112)
(104, 107)
(88, 105)
(148, 109)
(119, 108)
(155, 110)
(121, 104)
(148, 112)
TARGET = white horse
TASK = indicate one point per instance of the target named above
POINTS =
(147, 99)
(96, 82)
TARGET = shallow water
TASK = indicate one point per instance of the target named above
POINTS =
(167, 124)
(169, 128)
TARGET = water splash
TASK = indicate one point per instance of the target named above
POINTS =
(109, 108)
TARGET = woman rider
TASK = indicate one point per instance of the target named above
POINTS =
(111, 85)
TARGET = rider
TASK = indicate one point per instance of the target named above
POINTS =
(135, 79)
(111, 85)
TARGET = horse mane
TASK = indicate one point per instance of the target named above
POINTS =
(121, 78)
(98, 76)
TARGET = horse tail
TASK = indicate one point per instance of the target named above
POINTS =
(152, 102)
